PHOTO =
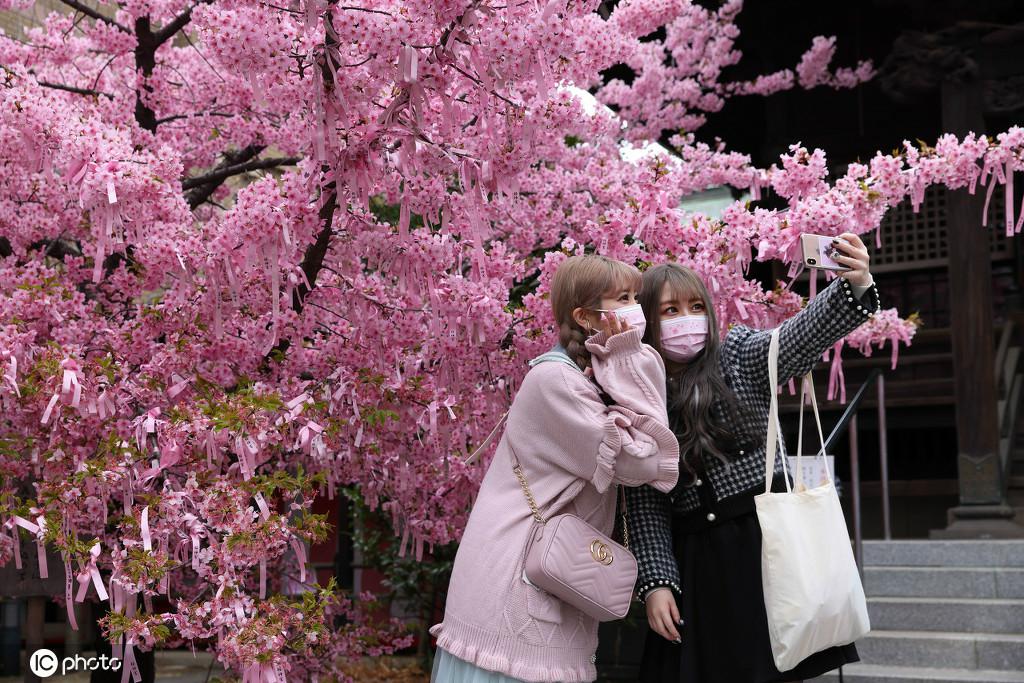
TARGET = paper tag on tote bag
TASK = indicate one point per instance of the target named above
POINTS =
(813, 469)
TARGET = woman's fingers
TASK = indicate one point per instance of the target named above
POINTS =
(855, 262)
(615, 323)
(852, 247)
(669, 627)
(655, 625)
(848, 249)
(854, 239)
(673, 610)
(612, 325)
(663, 615)
(851, 252)
(661, 626)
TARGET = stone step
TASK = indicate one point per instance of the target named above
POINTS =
(995, 651)
(946, 614)
(870, 673)
(952, 582)
(944, 553)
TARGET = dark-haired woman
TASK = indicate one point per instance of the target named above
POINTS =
(699, 546)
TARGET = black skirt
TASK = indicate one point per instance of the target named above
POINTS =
(725, 631)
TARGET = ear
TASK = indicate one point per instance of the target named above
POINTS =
(580, 316)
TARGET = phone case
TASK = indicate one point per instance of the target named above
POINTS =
(816, 249)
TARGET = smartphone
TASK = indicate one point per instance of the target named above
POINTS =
(817, 252)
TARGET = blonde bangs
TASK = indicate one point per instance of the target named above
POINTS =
(621, 276)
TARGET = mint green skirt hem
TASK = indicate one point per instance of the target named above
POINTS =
(450, 669)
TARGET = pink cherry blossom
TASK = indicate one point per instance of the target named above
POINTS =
(257, 252)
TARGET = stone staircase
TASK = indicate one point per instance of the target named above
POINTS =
(947, 611)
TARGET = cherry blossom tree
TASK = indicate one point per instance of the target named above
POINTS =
(253, 251)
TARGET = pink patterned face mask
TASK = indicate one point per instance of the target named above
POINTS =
(684, 337)
(632, 314)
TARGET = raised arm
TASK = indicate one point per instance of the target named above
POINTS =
(833, 314)
(559, 415)
(631, 372)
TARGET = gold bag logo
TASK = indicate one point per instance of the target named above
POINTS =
(601, 552)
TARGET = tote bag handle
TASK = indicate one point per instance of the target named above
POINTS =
(774, 437)
(808, 382)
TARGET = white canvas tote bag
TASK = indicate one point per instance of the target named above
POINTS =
(812, 591)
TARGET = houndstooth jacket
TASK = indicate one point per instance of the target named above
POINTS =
(826, 319)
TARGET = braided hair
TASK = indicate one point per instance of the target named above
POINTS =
(581, 282)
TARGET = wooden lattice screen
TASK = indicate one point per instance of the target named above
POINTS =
(918, 240)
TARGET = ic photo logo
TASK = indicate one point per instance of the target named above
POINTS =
(44, 663)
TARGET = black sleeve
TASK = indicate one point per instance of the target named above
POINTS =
(649, 520)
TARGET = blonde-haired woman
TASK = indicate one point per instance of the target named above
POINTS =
(577, 428)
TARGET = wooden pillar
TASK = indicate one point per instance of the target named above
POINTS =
(72, 638)
(35, 619)
(982, 511)
(10, 637)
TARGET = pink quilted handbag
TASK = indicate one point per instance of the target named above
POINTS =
(578, 564)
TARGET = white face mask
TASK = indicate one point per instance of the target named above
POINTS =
(684, 337)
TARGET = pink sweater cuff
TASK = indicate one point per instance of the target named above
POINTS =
(654, 463)
(621, 344)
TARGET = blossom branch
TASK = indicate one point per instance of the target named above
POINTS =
(201, 193)
(90, 12)
(75, 90)
(168, 30)
(223, 173)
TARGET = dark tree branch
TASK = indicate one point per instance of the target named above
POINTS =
(313, 261)
(90, 12)
(200, 194)
(223, 173)
(145, 61)
(77, 91)
(364, 9)
(179, 117)
(179, 22)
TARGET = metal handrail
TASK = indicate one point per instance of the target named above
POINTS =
(1009, 383)
(1008, 389)
(851, 408)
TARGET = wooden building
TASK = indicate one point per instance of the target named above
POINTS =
(956, 463)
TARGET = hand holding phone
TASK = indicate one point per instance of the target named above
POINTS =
(845, 254)
(818, 252)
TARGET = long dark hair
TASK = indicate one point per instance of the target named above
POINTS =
(702, 408)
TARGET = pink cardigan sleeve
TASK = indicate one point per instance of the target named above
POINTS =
(631, 372)
(559, 416)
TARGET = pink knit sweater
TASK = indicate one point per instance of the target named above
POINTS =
(572, 448)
